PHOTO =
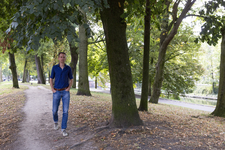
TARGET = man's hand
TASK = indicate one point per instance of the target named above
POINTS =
(70, 84)
(53, 90)
(51, 84)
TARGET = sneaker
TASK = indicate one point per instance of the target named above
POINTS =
(56, 126)
(64, 132)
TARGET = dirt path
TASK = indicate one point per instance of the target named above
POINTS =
(36, 129)
(37, 116)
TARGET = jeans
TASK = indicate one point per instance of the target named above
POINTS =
(65, 95)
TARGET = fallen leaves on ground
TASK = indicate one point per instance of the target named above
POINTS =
(165, 126)
(11, 102)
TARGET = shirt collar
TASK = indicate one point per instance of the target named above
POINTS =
(65, 65)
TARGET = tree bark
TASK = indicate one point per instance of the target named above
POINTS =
(28, 76)
(83, 84)
(96, 82)
(165, 39)
(25, 72)
(73, 63)
(150, 82)
(144, 91)
(220, 106)
(40, 73)
(124, 108)
(12, 67)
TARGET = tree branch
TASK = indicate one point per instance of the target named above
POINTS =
(178, 22)
(96, 42)
(193, 15)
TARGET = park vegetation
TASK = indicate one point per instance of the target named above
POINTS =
(123, 42)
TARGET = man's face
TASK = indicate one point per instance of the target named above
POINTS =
(62, 58)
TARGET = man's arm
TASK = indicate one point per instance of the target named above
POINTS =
(51, 84)
(70, 84)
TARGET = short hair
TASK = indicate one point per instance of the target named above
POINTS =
(61, 53)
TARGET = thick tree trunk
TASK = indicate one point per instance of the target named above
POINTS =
(144, 91)
(220, 106)
(40, 73)
(124, 108)
(83, 84)
(73, 63)
(12, 67)
(165, 39)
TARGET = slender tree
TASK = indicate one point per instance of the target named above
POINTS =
(169, 30)
(25, 72)
(145, 80)
(73, 63)
(12, 67)
(40, 73)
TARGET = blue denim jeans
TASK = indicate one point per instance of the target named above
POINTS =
(65, 95)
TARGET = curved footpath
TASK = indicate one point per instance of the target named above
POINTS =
(171, 102)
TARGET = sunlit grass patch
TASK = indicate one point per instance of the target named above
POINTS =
(199, 101)
(7, 88)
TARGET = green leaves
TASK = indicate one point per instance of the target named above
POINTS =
(38, 19)
(214, 22)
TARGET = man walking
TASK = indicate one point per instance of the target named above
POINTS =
(63, 82)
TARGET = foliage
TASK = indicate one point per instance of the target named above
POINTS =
(214, 22)
(97, 59)
(53, 19)
(182, 67)
(210, 61)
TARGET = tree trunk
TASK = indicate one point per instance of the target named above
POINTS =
(150, 82)
(73, 63)
(25, 71)
(144, 91)
(159, 76)
(28, 76)
(49, 74)
(165, 39)
(124, 108)
(83, 85)
(40, 73)
(96, 83)
(220, 106)
(12, 67)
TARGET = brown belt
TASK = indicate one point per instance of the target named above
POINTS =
(60, 89)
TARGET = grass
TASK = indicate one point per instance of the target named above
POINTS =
(199, 101)
(6, 88)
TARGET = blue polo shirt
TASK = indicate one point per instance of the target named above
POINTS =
(61, 76)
